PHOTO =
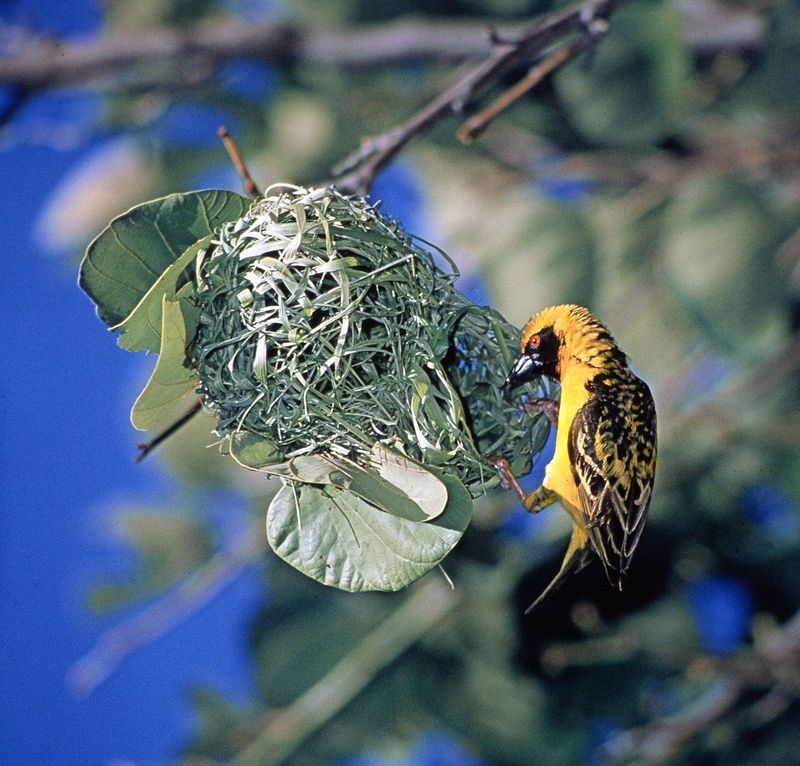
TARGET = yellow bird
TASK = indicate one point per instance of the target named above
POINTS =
(604, 464)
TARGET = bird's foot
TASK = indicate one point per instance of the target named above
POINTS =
(507, 479)
(538, 499)
(548, 407)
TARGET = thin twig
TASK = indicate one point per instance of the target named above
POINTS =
(286, 729)
(661, 741)
(194, 592)
(145, 448)
(477, 124)
(236, 157)
(16, 100)
(377, 152)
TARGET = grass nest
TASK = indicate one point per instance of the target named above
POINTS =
(325, 329)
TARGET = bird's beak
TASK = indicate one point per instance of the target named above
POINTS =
(525, 368)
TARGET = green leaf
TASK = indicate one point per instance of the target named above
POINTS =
(141, 329)
(393, 484)
(253, 451)
(310, 469)
(370, 486)
(635, 93)
(172, 381)
(418, 483)
(130, 255)
(339, 539)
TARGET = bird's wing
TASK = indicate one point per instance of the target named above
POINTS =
(612, 451)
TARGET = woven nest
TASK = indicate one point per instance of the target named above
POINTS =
(325, 328)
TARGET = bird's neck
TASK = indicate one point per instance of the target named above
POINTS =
(573, 378)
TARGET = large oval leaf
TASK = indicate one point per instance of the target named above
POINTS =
(173, 381)
(339, 539)
(132, 252)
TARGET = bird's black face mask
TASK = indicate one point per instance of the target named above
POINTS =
(539, 358)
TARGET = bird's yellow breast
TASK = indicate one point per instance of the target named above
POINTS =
(558, 474)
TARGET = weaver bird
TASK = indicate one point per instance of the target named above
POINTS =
(605, 457)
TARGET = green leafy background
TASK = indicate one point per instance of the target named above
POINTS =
(660, 188)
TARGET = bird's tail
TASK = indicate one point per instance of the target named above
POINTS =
(576, 558)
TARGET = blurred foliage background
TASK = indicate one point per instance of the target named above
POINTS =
(656, 181)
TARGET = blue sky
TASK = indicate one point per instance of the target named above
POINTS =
(66, 456)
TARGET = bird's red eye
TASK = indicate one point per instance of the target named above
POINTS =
(534, 341)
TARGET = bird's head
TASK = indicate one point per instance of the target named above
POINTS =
(562, 335)
(540, 347)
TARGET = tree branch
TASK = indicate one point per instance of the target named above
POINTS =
(194, 592)
(49, 65)
(375, 153)
(476, 125)
(287, 728)
(774, 662)
(709, 28)
(241, 168)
